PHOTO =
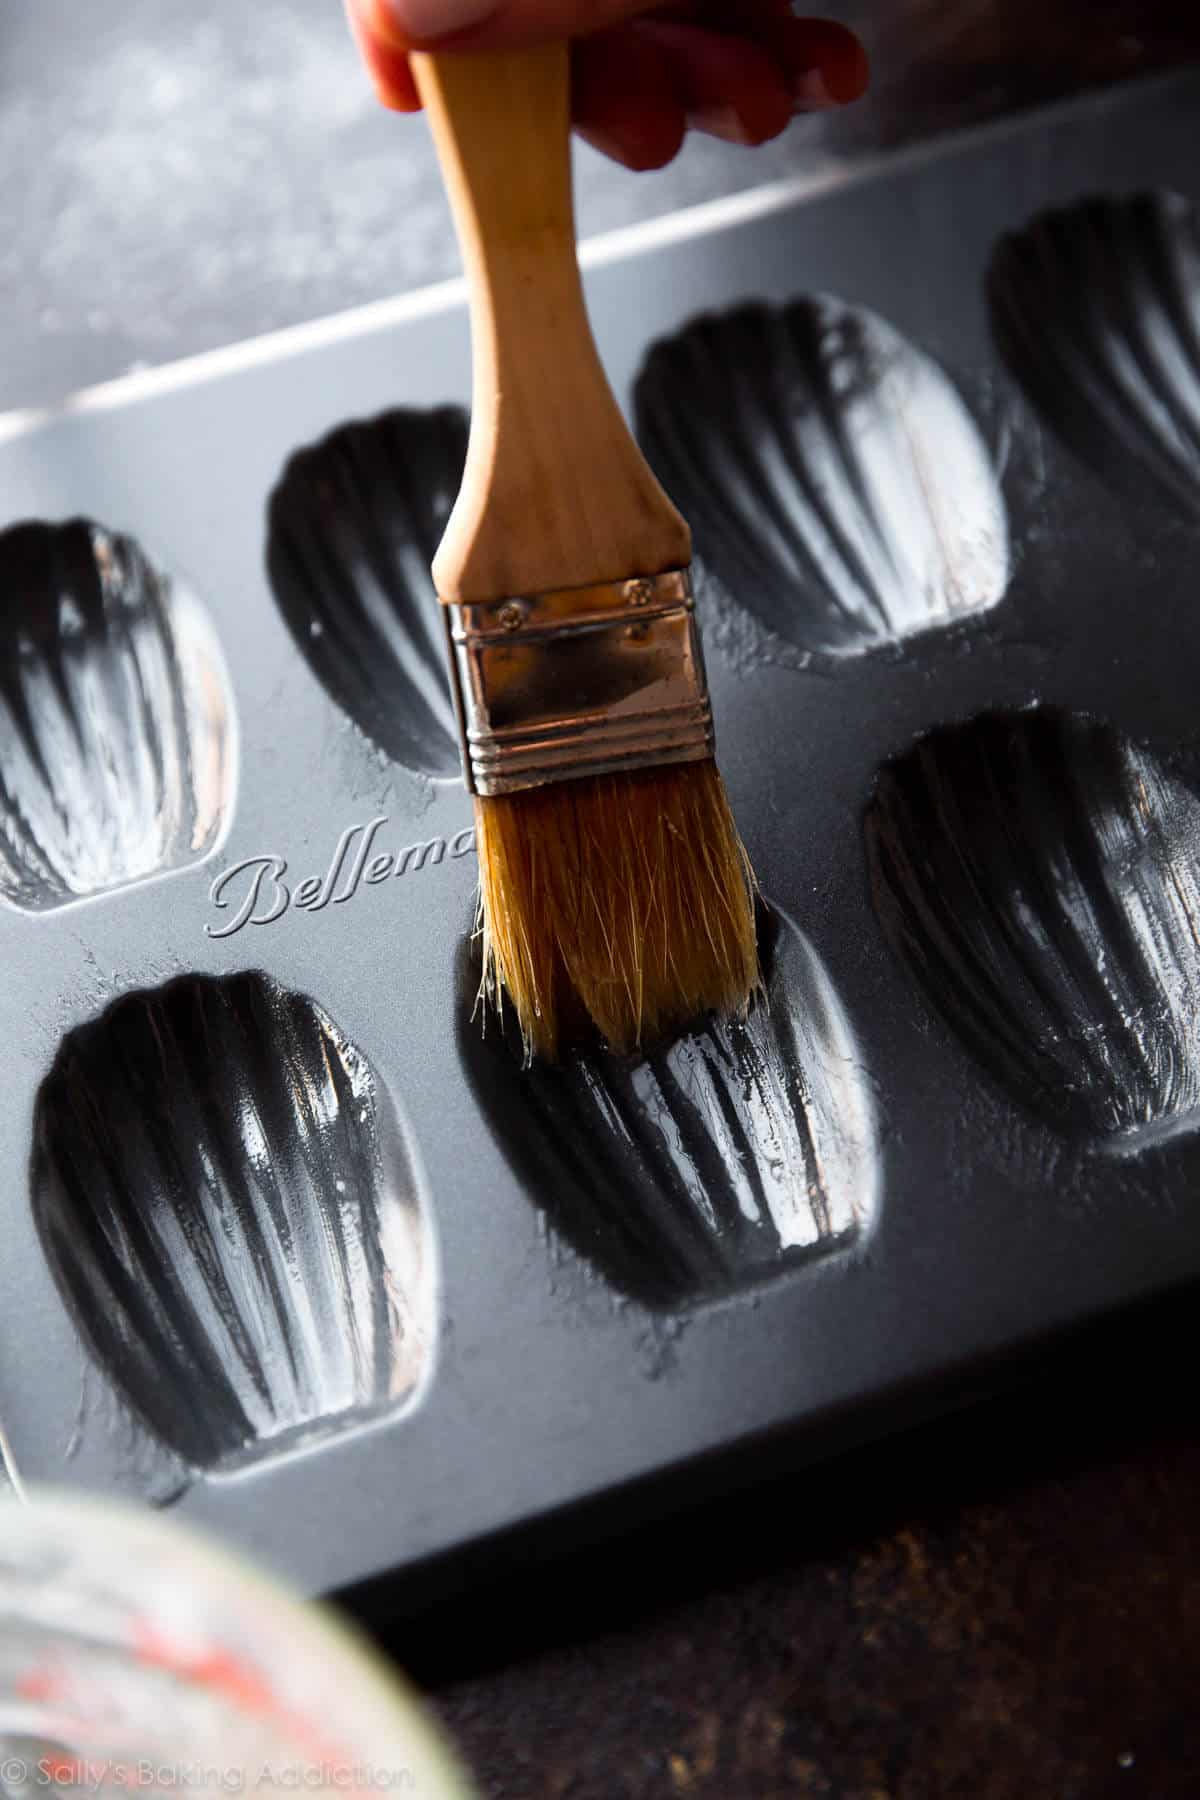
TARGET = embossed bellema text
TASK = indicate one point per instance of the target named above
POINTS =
(258, 894)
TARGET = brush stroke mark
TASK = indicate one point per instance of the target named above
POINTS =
(838, 487)
(353, 528)
(226, 1199)
(117, 739)
(722, 1158)
(10, 1479)
(1040, 876)
(1096, 310)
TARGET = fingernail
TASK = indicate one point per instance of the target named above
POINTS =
(811, 94)
(838, 80)
(721, 122)
(433, 19)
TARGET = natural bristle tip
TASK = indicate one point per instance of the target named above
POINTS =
(626, 901)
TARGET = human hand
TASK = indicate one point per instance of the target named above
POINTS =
(642, 74)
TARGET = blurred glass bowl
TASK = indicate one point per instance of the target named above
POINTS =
(137, 1656)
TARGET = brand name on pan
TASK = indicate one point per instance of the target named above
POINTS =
(258, 891)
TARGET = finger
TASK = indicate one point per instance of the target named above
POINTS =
(386, 64)
(825, 63)
(496, 23)
(393, 22)
(740, 17)
(624, 99)
(822, 64)
(730, 87)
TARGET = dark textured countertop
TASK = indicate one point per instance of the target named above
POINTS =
(1003, 1604)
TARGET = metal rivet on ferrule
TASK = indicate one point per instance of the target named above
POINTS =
(640, 593)
(512, 615)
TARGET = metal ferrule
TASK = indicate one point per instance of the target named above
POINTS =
(584, 681)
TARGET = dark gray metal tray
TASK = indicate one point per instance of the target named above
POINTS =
(287, 1242)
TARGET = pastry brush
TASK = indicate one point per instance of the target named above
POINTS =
(614, 887)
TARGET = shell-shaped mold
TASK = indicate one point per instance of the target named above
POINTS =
(1041, 876)
(1096, 310)
(117, 742)
(354, 526)
(708, 1164)
(229, 1205)
(837, 484)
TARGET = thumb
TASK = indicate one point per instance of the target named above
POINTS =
(412, 23)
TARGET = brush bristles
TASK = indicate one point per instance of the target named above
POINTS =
(624, 899)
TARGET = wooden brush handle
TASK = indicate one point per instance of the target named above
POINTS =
(556, 493)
